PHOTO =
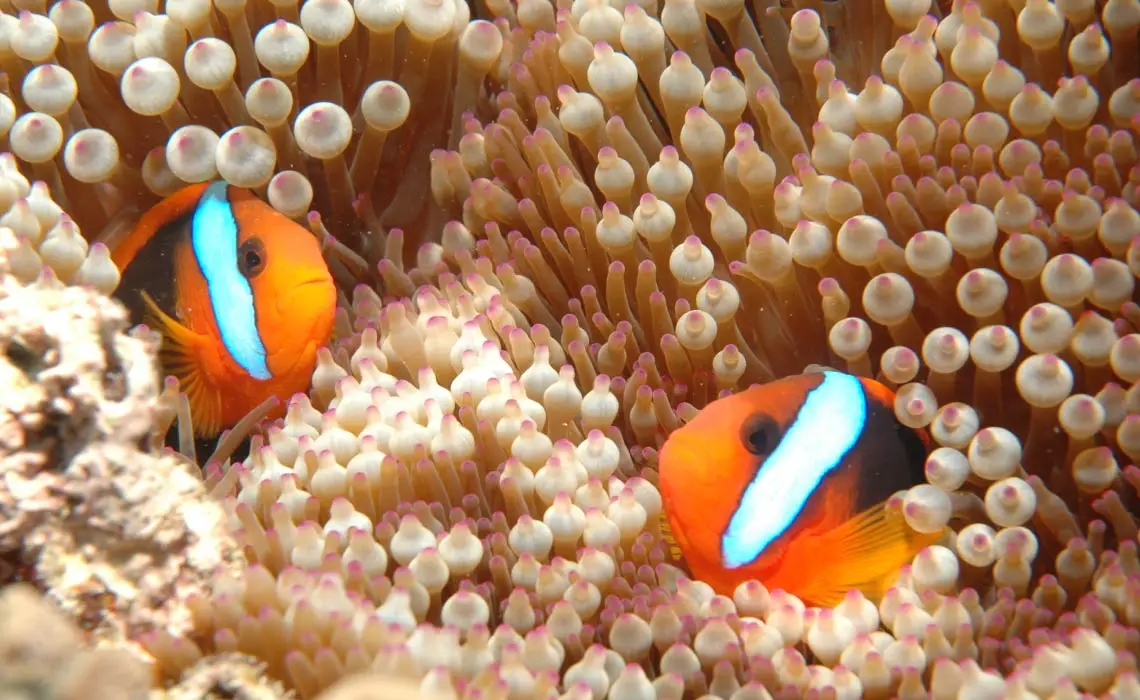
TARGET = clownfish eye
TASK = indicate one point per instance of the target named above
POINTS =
(251, 257)
(760, 434)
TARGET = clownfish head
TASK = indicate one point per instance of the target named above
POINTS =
(292, 295)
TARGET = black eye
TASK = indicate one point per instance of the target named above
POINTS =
(251, 257)
(760, 434)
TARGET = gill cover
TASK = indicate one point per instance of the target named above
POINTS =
(825, 429)
(214, 235)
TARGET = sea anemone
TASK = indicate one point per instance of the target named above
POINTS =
(633, 210)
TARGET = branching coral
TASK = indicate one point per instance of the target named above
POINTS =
(634, 209)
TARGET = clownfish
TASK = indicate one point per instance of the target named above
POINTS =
(240, 293)
(787, 483)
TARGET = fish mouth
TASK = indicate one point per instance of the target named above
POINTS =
(303, 290)
(681, 456)
(308, 307)
(314, 281)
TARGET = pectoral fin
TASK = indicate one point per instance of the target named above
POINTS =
(182, 354)
(864, 552)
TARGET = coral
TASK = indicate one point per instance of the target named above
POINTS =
(43, 655)
(225, 677)
(116, 534)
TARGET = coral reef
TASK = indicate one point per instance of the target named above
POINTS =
(224, 676)
(119, 535)
(43, 655)
(633, 209)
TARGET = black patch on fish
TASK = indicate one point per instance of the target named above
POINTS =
(891, 456)
(915, 450)
(152, 269)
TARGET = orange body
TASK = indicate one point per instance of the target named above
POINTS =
(293, 300)
(841, 537)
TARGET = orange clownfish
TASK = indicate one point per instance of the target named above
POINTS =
(240, 293)
(787, 483)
